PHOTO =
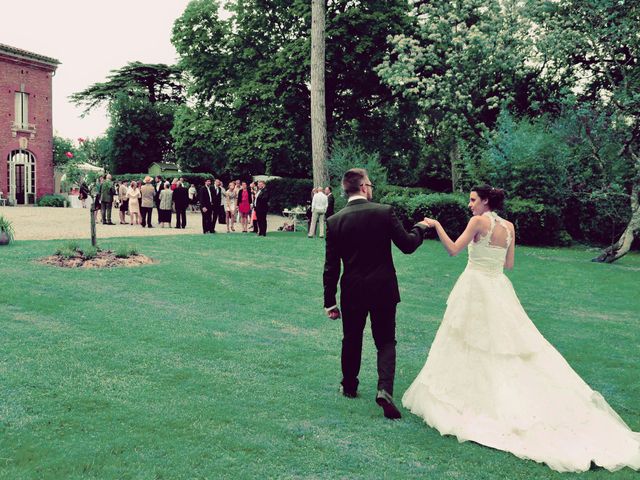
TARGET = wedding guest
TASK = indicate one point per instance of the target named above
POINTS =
(148, 193)
(331, 201)
(193, 197)
(254, 217)
(83, 194)
(174, 184)
(181, 202)
(244, 205)
(133, 195)
(218, 203)
(262, 207)
(106, 200)
(318, 209)
(230, 206)
(124, 202)
(96, 201)
(207, 201)
(164, 205)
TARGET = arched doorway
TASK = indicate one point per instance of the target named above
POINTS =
(21, 173)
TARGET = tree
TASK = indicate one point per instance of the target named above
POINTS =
(141, 100)
(318, 108)
(465, 61)
(60, 148)
(249, 75)
(594, 45)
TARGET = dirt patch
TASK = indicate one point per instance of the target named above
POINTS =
(103, 259)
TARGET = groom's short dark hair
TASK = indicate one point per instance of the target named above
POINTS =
(352, 179)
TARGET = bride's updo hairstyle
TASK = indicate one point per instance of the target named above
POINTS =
(494, 195)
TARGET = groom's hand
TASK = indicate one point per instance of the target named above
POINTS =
(334, 314)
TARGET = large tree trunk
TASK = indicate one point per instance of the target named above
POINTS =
(319, 150)
(622, 246)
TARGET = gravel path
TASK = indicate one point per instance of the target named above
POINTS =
(48, 223)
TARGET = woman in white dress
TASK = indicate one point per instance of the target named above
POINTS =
(492, 378)
(133, 194)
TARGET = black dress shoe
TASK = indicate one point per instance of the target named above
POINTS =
(348, 393)
(386, 402)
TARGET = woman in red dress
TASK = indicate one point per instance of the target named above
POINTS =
(244, 205)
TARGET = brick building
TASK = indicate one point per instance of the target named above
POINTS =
(26, 129)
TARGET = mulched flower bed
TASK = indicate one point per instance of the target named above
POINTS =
(103, 259)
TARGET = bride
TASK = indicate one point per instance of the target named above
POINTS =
(492, 378)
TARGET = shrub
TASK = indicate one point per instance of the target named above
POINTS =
(448, 208)
(52, 201)
(90, 252)
(288, 192)
(125, 251)
(535, 224)
(6, 226)
(347, 154)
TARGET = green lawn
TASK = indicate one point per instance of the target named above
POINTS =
(218, 362)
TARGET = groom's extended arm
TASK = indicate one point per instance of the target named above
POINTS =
(407, 242)
(331, 269)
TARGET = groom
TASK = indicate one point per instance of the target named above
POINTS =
(360, 237)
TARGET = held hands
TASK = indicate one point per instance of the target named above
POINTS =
(429, 222)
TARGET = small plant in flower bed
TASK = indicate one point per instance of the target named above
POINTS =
(125, 251)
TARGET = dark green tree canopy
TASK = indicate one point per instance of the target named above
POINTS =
(155, 82)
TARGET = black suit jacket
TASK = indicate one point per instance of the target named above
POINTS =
(181, 198)
(331, 205)
(262, 201)
(203, 196)
(360, 237)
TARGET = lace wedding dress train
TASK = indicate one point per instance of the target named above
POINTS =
(492, 378)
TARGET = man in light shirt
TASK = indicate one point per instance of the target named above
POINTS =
(319, 205)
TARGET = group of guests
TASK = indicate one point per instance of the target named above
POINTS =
(321, 208)
(246, 204)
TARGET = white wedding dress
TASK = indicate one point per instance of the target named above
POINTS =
(492, 378)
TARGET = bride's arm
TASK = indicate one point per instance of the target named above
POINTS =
(454, 248)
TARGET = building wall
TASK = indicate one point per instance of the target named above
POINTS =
(38, 84)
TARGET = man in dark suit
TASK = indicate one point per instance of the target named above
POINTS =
(360, 237)
(181, 202)
(331, 202)
(262, 207)
(207, 201)
(217, 207)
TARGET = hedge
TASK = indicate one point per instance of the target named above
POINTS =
(534, 224)
(52, 201)
(288, 192)
(197, 179)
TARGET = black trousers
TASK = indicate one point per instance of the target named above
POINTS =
(207, 219)
(383, 328)
(181, 217)
(262, 223)
(215, 214)
(145, 213)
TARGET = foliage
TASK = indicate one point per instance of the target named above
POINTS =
(52, 201)
(249, 81)
(346, 154)
(89, 252)
(197, 179)
(535, 223)
(156, 83)
(139, 134)
(125, 251)
(60, 148)
(6, 226)
(288, 192)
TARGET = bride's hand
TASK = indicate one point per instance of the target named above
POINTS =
(429, 222)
